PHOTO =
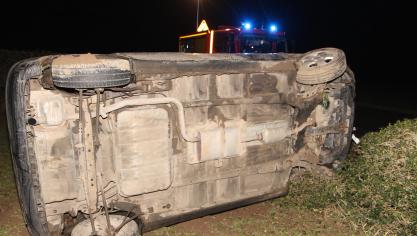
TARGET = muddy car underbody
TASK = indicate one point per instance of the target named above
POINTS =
(165, 137)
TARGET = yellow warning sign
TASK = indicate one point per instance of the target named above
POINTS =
(203, 26)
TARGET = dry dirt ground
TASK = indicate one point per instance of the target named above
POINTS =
(266, 218)
(11, 222)
(261, 219)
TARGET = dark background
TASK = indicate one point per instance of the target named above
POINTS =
(378, 37)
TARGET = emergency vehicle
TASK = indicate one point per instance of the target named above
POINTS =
(228, 39)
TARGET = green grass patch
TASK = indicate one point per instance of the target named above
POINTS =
(6, 230)
(376, 190)
(7, 185)
(3, 230)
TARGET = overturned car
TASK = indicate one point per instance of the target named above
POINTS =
(128, 142)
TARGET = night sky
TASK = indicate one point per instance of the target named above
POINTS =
(376, 35)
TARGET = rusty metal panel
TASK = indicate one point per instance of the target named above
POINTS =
(187, 88)
(232, 142)
(143, 151)
(216, 142)
(268, 132)
(230, 85)
(211, 144)
(227, 189)
(58, 169)
(191, 196)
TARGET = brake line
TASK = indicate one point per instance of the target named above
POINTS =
(81, 140)
(100, 175)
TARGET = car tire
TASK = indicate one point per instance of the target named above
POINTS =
(22, 147)
(90, 71)
(321, 66)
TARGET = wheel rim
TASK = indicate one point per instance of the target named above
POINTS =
(318, 58)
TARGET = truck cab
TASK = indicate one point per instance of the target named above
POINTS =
(229, 39)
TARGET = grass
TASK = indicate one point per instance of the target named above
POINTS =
(10, 229)
(379, 183)
(284, 221)
(7, 185)
(6, 173)
(11, 222)
(376, 190)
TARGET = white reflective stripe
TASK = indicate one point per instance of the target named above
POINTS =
(211, 41)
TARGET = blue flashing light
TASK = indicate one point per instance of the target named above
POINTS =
(273, 28)
(247, 26)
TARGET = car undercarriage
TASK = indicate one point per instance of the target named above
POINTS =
(123, 143)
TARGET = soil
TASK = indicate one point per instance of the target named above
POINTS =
(251, 220)
(261, 219)
(11, 221)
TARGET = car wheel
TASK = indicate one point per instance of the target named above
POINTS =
(83, 228)
(90, 71)
(321, 66)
